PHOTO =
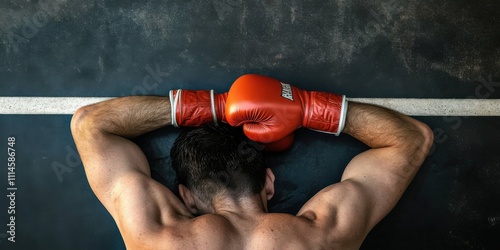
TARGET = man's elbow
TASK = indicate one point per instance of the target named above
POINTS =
(427, 138)
(81, 120)
(423, 143)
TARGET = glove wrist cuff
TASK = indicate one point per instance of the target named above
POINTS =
(219, 107)
(326, 112)
(195, 107)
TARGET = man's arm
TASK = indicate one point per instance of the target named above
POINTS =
(117, 169)
(374, 180)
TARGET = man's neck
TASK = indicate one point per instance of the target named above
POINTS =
(248, 206)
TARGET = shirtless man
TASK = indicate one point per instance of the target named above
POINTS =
(214, 213)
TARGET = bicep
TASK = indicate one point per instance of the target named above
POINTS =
(339, 212)
(369, 189)
(382, 176)
(106, 159)
(145, 208)
(119, 175)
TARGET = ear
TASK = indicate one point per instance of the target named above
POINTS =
(269, 185)
(188, 199)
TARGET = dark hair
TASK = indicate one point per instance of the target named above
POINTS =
(212, 160)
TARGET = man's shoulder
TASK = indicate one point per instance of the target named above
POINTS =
(271, 230)
(210, 231)
(202, 232)
(213, 231)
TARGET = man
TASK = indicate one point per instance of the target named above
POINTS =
(231, 200)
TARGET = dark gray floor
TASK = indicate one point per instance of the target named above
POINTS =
(422, 49)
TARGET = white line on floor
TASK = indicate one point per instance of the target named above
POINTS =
(408, 106)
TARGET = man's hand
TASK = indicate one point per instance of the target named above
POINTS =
(270, 110)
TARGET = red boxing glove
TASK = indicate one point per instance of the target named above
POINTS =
(196, 107)
(270, 110)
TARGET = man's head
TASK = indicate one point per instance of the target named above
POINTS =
(218, 161)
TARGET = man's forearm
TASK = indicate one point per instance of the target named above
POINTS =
(127, 116)
(379, 127)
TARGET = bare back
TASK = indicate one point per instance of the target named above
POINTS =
(270, 231)
(312, 228)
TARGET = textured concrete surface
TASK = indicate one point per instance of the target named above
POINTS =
(363, 49)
